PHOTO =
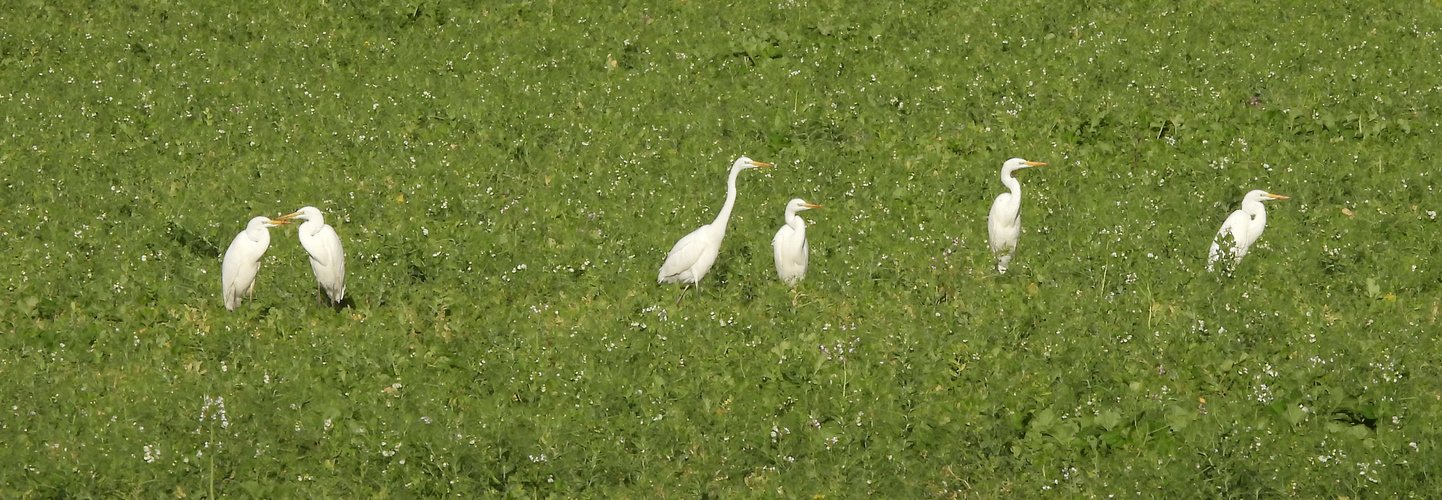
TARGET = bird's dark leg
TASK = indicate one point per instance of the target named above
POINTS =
(319, 295)
(683, 294)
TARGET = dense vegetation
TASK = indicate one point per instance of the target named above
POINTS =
(508, 176)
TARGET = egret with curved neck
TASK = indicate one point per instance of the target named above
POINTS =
(789, 246)
(327, 259)
(1004, 223)
(694, 254)
(1244, 225)
(242, 261)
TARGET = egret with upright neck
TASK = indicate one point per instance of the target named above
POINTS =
(694, 254)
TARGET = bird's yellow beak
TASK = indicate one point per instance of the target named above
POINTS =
(278, 222)
(1277, 197)
(1035, 164)
(759, 164)
(287, 217)
(808, 205)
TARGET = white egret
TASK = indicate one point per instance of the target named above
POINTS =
(1004, 223)
(327, 259)
(1244, 225)
(694, 254)
(789, 245)
(242, 261)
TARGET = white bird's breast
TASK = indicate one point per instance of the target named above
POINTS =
(692, 257)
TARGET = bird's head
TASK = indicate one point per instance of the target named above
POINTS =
(1260, 196)
(264, 222)
(744, 163)
(798, 204)
(306, 213)
(1015, 164)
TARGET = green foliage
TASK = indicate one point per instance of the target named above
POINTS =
(508, 176)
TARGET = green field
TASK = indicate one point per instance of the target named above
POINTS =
(508, 176)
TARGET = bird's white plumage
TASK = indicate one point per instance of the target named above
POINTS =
(691, 258)
(327, 258)
(1244, 226)
(789, 246)
(1003, 225)
(242, 261)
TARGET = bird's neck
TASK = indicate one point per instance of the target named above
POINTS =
(313, 226)
(795, 221)
(1256, 209)
(725, 214)
(1011, 183)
